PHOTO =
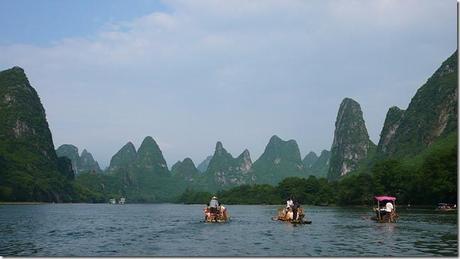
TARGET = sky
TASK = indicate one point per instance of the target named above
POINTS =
(191, 73)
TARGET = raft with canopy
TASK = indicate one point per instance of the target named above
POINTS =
(382, 215)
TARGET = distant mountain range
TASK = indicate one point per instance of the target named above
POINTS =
(32, 170)
(280, 159)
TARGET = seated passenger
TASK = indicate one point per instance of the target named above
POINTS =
(207, 213)
(289, 215)
(223, 211)
(389, 207)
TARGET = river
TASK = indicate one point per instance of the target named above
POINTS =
(177, 230)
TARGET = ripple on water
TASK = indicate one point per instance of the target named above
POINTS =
(144, 230)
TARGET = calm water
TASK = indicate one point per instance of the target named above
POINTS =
(176, 230)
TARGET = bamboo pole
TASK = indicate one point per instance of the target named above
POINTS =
(394, 211)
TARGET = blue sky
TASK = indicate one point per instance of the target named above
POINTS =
(190, 73)
(46, 21)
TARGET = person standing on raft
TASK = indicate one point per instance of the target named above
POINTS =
(289, 203)
(214, 204)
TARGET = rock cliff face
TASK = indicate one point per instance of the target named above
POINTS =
(351, 140)
(224, 171)
(431, 114)
(80, 164)
(23, 116)
(244, 162)
(203, 166)
(30, 169)
(185, 170)
(280, 159)
(124, 158)
(391, 125)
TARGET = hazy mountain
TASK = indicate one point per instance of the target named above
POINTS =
(185, 170)
(280, 159)
(71, 152)
(142, 176)
(203, 166)
(150, 158)
(83, 163)
(225, 171)
(321, 166)
(87, 162)
(309, 160)
(124, 158)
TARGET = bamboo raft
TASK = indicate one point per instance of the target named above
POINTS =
(287, 216)
(221, 216)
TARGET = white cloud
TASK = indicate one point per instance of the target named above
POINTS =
(236, 71)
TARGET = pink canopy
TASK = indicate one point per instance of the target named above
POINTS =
(385, 198)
